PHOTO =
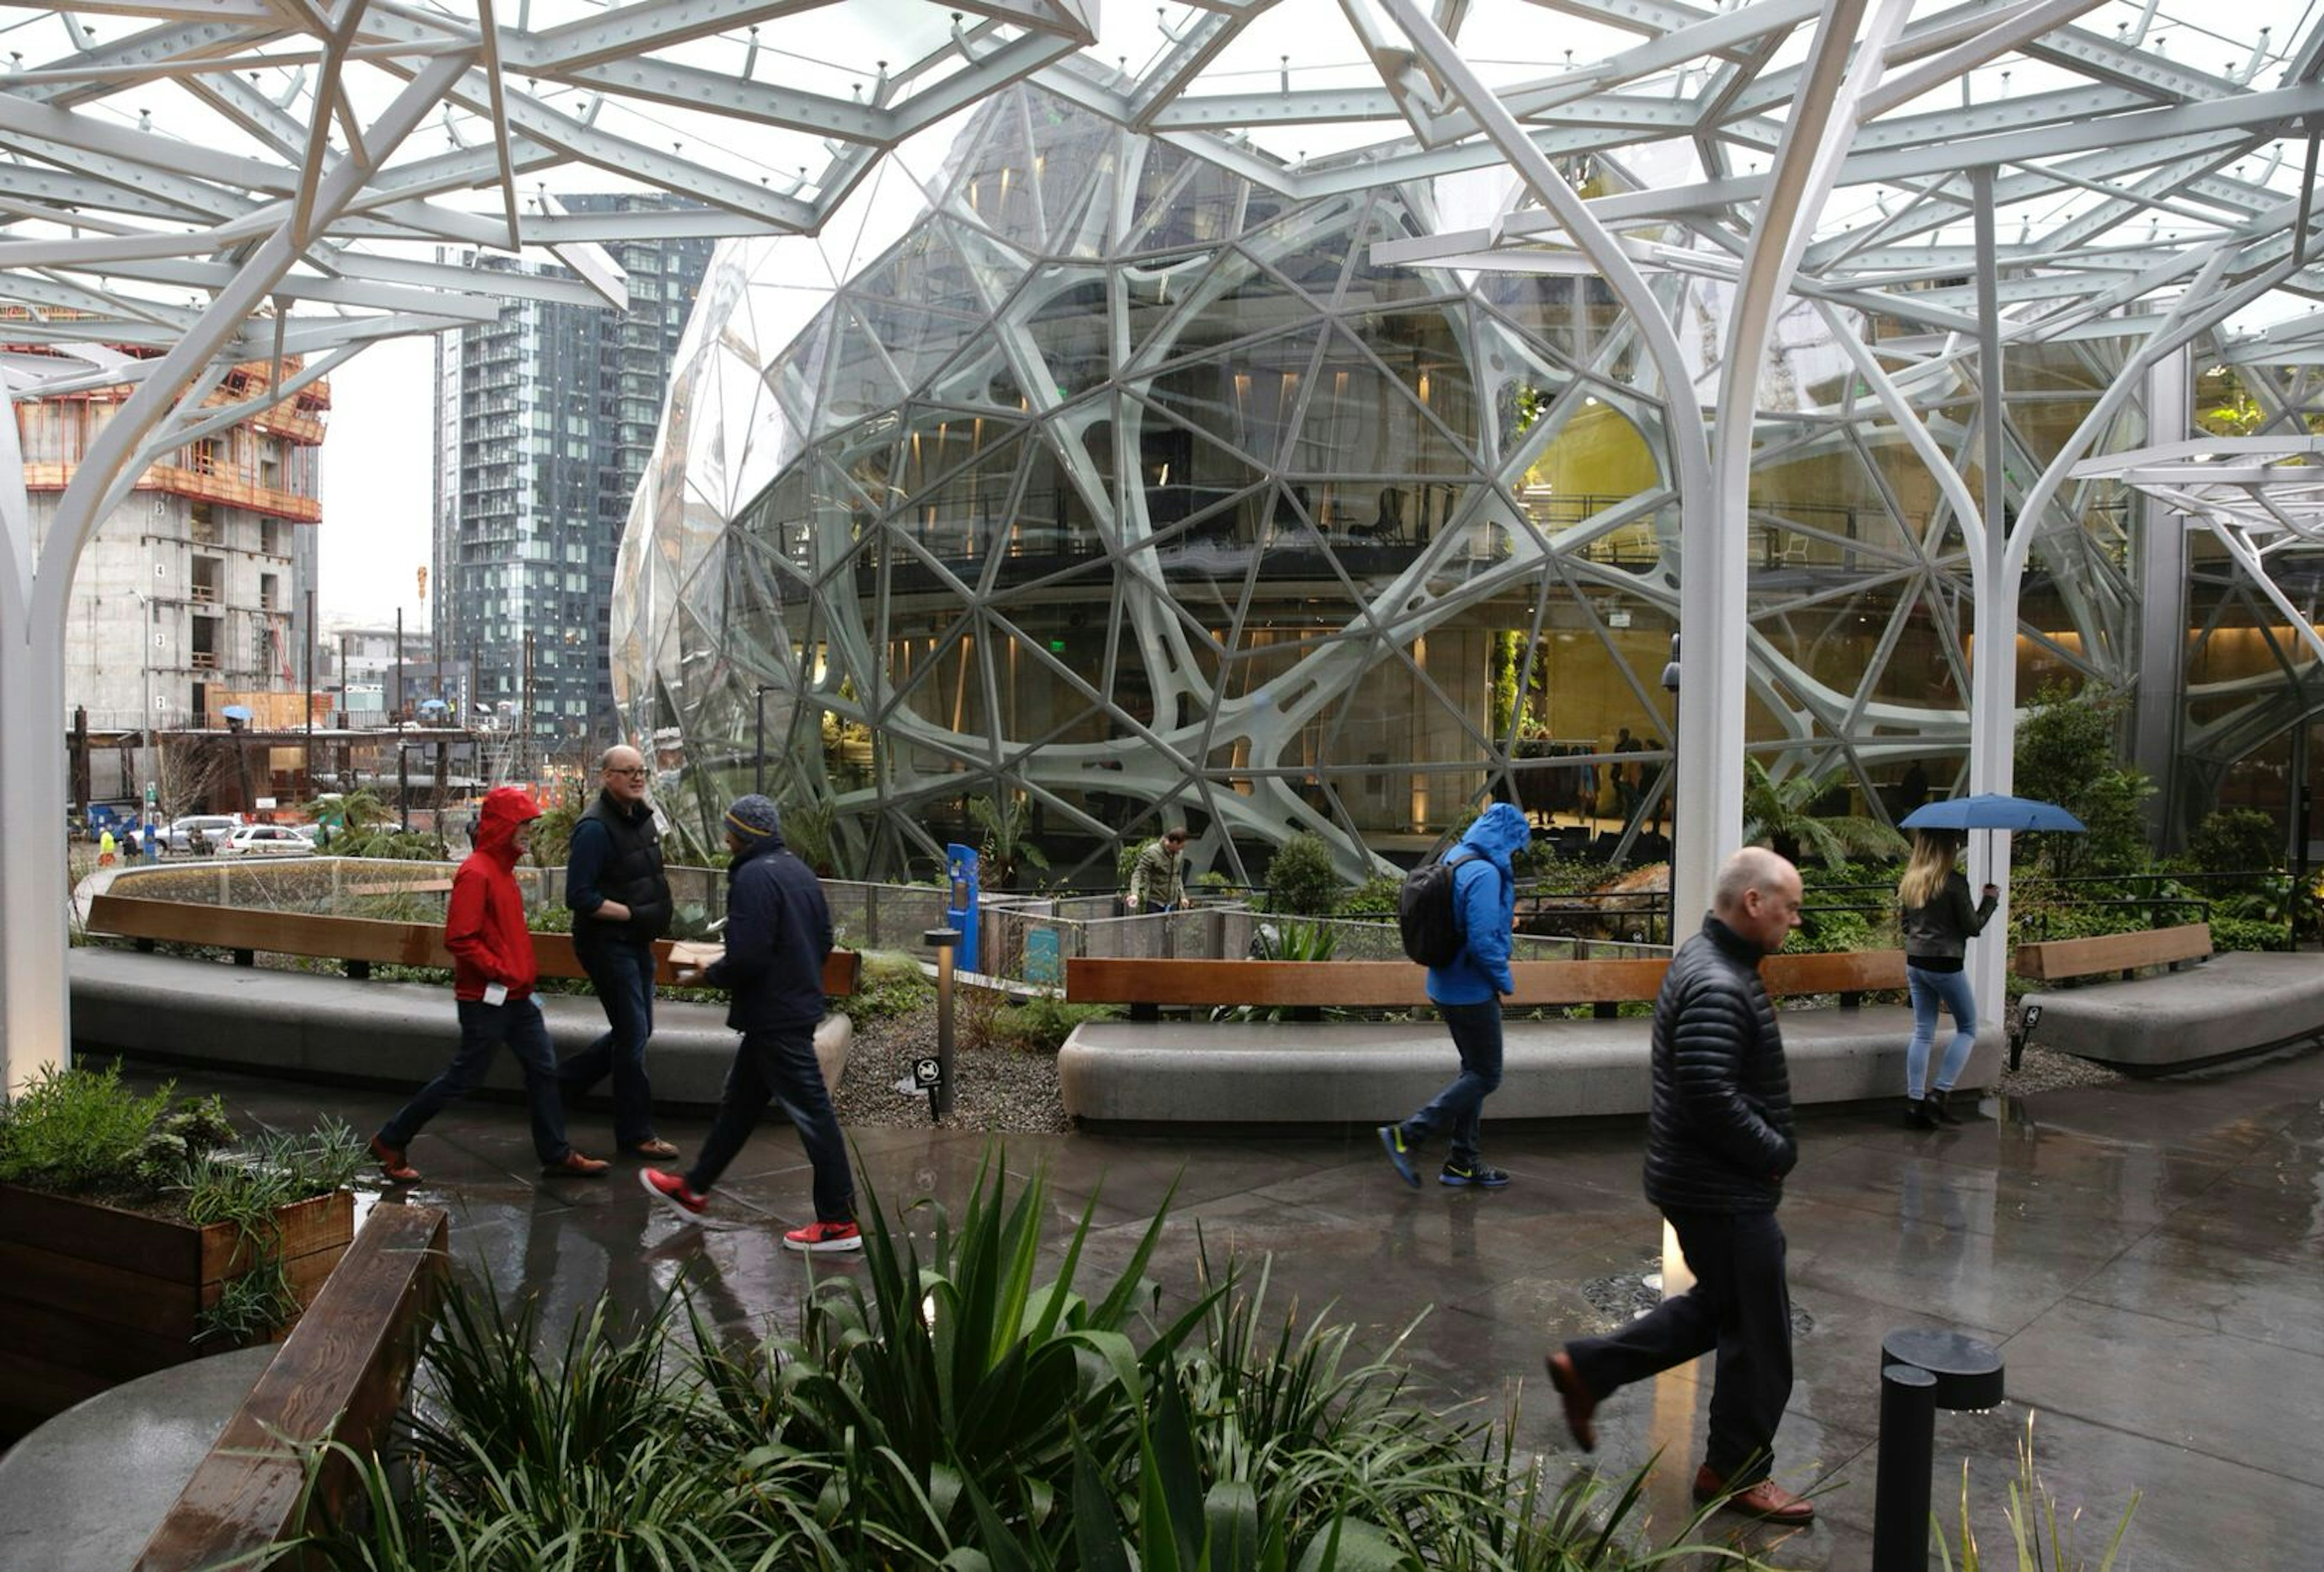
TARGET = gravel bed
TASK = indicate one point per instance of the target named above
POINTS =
(2045, 1069)
(997, 1089)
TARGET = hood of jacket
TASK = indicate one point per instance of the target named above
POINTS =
(505, 808)
(1500, 834)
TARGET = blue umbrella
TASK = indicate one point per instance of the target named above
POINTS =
(235, 712)
(1992, 811)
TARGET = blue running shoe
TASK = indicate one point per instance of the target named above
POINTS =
(1392, 1138)
(1482, 1175)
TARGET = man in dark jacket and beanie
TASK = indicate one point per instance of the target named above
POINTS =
(493, 975)
(778, 935)
(620, 900)
(1719, 1144)
(1467, 991)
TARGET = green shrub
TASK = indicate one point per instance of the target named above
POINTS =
(1300, 878)
(81, 1132)
(1040, 1024)
(2066, 753)
(890, 983)
(2247, 933)
(1375, 897)
(2236, 840)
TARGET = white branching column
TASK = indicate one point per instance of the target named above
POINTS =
(35, 1024)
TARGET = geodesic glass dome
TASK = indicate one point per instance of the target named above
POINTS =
(1073, 471)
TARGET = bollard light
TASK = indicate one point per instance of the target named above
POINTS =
(1921, 1370)
(945, 940)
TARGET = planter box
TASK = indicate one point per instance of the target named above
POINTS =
(92, 1296)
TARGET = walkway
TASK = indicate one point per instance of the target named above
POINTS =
(2146, 1254)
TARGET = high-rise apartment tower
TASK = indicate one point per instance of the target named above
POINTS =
(544, 420)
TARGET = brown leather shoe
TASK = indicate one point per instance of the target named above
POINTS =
(1766, 1499)
(653, 1146)
(1579, 1403)
(574, 1163)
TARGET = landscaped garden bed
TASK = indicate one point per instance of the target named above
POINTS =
(133, 1236)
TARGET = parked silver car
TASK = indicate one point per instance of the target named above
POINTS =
(201, 832)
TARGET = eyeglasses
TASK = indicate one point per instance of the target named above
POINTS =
(633, 775)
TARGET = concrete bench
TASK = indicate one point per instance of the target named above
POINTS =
(1151, 1071)
(190, 1465)
(2201, 1009)
(179, 1010)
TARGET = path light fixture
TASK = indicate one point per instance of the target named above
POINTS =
(1921, 1370)
(945, 941)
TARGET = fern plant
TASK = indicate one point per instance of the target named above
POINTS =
(1778, 815)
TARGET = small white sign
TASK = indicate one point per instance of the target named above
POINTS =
(264, 805)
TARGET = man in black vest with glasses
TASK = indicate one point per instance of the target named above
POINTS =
(619, 897)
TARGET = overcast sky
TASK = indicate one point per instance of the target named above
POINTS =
(376, 460)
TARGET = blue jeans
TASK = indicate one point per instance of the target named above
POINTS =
(623, 973)
(484, 1028)
(1477, 1035)
(780, 1065)
(1930, 989)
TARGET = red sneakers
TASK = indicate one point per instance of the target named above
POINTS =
(391, 1166)
(575, 1164)
(671, 1190)
(822, 1238)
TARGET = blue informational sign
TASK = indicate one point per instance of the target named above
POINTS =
(1043, 964)
(960, 905)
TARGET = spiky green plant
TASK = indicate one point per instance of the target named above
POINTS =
(1777, 814)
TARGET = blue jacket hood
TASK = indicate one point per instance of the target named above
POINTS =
(1500, 834)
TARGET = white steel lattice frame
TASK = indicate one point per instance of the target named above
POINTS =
(282, 203)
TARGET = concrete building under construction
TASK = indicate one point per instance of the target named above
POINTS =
(192, 598)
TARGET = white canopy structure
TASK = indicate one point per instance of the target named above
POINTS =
(188, 184)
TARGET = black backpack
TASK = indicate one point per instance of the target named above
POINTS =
(1426, 916)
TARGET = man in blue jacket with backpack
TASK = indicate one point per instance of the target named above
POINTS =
(1467, 991)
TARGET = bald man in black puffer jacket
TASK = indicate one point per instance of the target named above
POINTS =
(1719, 1144)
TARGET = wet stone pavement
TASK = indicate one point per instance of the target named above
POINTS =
(2149, 1257)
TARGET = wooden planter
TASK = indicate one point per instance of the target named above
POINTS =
(92, 1296)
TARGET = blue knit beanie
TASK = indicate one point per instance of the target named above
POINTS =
(754, 818)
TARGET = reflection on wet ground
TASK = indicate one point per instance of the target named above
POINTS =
(2148, 1255)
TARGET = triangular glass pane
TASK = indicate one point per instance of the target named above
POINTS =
(1235, 299)
(1427, 369)
(923, 269)
(1248, 402)
(1182, 201)
(1000, 186)
(1310, 246)
(1061, 312)
(1371, 285)
(1157, 296)
(859, 381)
(1924, 657)
(918, 343)
(981, 376)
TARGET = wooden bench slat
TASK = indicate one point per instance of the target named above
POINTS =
(2113, 952)
(342, 1373)
(1393, 985)
(357, 939)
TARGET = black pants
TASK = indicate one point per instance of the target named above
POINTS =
(780, 1065)
(1740, 1305)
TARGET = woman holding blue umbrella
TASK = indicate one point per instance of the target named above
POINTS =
(1939, 923)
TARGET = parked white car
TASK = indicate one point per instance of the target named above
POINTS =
(263, 840)
(212, 827)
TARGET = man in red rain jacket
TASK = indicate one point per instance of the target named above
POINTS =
(493, 975)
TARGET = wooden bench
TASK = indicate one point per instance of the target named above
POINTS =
(194, 1464)
(2123, 954)
(2135, 1018)
(1149, 1071)
(361, 942)
(341, 1374)
(1147, 987)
